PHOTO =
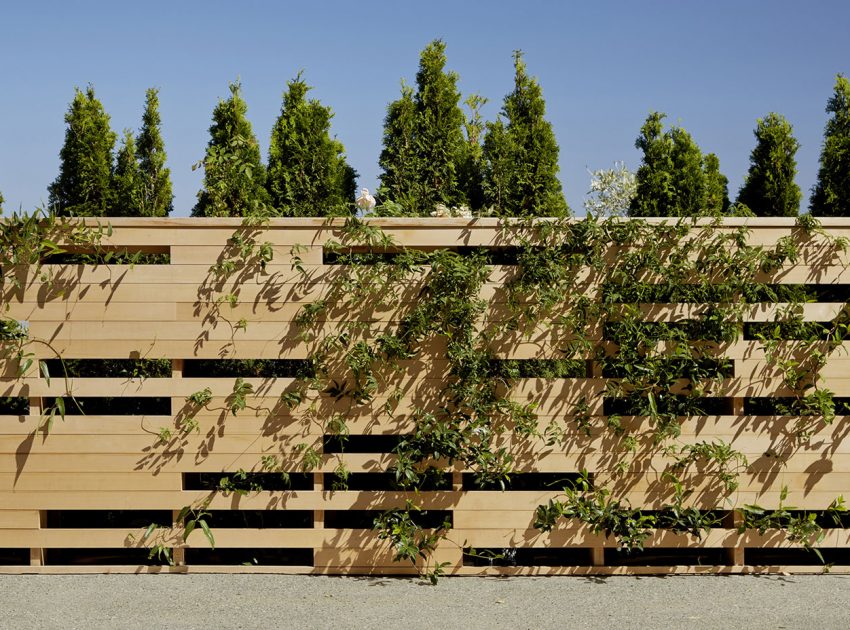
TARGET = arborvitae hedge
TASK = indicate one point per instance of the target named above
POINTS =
(234, 176)
(831, 194)
(675, 179)
(125, 180)
(769, 189)
(521, 155)
(424, 149)
(155, 196)
(83, 186)
(307, 173)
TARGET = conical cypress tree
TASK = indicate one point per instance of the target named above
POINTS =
(125, 180)
(83, 186)
(769, 189)
(831, 194)
(472, 166)
(523, 155)
(399, 159)
(234, 176)
(656, 191)
(716, 193)
(688, 175)
(438, 131)
(155, 196)
(1, 202)
(307, 173)
(424, 148)
(675, 179)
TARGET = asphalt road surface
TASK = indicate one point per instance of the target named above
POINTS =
(91, 602)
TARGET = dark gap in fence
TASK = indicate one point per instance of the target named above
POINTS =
(527, 557)
(144, 255)
(753, 331)
(14, 557)
(248, 556)
(114, 406)
(666, 556)
(365, 519)
(14, 406)
(388, 255)
(796, 556)
(540, 368)
(386, 481)
(260, 519)
(360, 443)
(106, 519)
(789, 406)
(109, 368)
(756, 293)
(251, 482)
(105, 556)
(258, 368)
(704, 368)
(668, 404)
(523, 481)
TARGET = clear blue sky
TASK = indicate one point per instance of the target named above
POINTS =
(714, 67)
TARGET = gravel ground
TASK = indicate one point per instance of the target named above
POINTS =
(281, 601)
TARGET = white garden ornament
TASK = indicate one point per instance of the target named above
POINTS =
(365, 201)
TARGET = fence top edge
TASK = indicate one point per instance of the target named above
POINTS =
(434, 222)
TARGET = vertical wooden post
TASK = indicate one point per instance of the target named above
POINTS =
(597, 556)
(736, 554)
(318, 515)
(457, 481)
(178, 552)
(37, 553)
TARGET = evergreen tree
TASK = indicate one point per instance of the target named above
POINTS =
(155, 196)
(688, 175)
(399, 160)
(307, 173)
(831, 194)
(472, 166)
(1, 202)
(675, 179)
(438, 131)
(125, 180)
(234, 176)
(769, 189)
(655, 193)
(716, 194)
(424, 149)
(521, 176)
(83, 186)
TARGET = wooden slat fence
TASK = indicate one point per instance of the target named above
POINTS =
(79, 498)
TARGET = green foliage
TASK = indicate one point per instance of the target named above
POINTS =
(307, 172)
(598, 509)
(234, 177)
(716, 190)
(424, 149)
(399, 159)
(831, 194)
(769, 189)
(411, 542)
(83, 186)
(154, 188)
(675, 180)
(521, 155)
(126, 179)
